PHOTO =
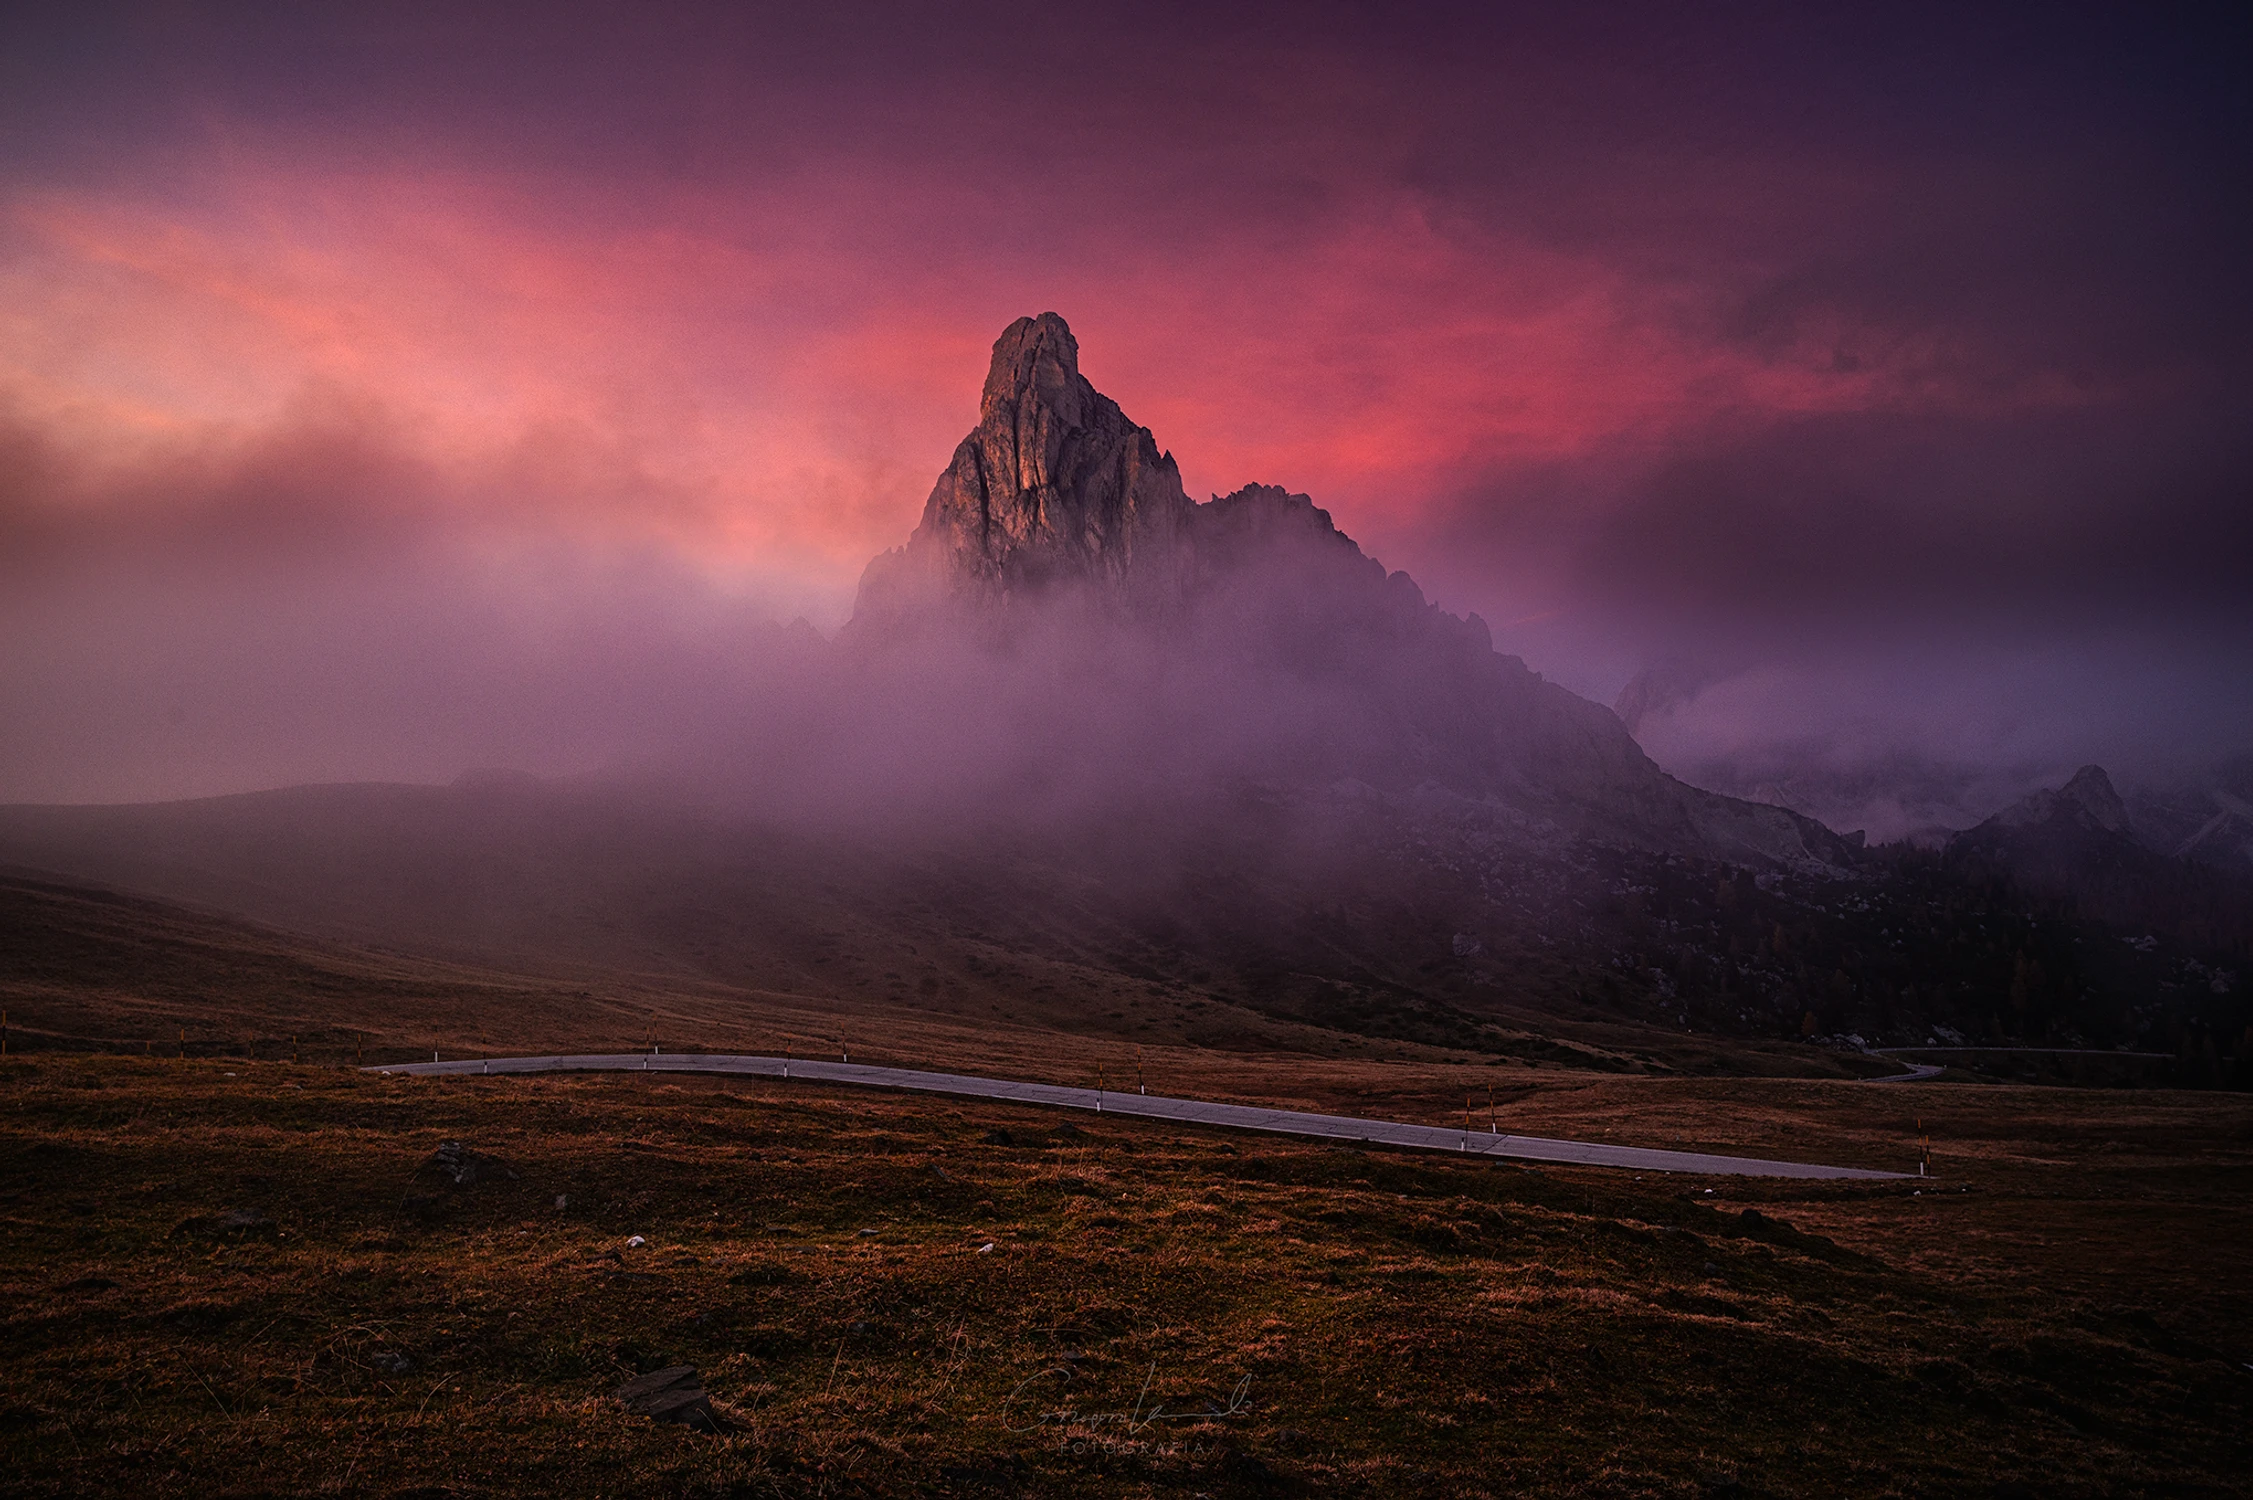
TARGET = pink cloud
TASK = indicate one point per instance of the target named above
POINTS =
(773, 376)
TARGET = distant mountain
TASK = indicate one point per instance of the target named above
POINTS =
(2061, 838)
(2085, 806)
(1834, 774)
(2078, 843)
(2207, 818)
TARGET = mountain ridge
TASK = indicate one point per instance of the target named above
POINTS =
(1058, 509)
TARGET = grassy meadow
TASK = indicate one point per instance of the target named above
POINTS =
(226, 1276)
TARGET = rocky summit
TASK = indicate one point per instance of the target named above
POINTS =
(1054, 488)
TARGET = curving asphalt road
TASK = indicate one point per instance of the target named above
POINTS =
(1155, 1107)
(1918, 1072)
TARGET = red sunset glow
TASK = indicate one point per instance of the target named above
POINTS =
(768, 385)
(1641, 376)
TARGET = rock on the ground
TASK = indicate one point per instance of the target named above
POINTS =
(674, 1394)
(461, 1166)
(450, 1170)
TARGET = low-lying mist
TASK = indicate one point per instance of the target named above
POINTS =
(158, 678)
(148, 677)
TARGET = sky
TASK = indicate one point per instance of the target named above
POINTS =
(386, 390)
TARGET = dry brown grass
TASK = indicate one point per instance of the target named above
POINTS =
(2064, 1310)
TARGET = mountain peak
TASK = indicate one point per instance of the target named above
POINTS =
(2092, 791)
(1036, 359)
(1054, 488)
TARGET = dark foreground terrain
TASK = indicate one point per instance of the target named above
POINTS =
(223, 1277)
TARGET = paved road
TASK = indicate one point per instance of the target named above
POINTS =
(1918, 1072)
(1156, 1107)
(2030, 1051)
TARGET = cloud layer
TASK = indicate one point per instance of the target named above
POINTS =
(1881, 376)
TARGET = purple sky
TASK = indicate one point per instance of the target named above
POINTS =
(386, 390)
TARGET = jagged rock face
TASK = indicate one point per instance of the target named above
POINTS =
(1054, 488)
